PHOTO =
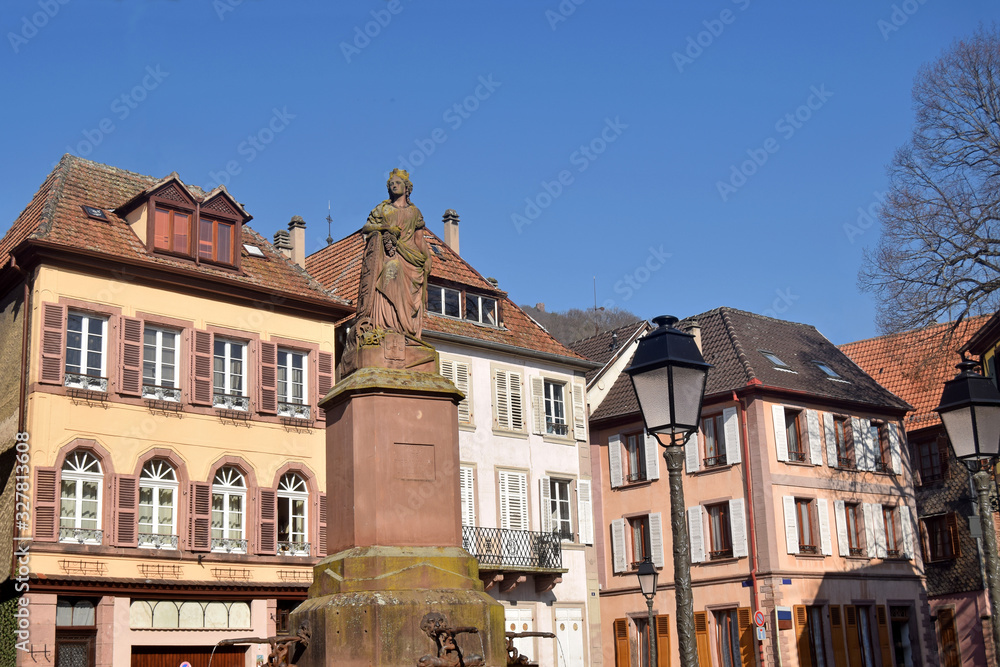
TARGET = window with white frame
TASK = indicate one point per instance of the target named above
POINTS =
(229, 501)
(444, 301)
(229, 375)
(86, 351)
(293, 497)
(481, 309)
(158, 505)
(635, 538)
(159, 364)
(80, 499)
(292, 384)
(555, 408)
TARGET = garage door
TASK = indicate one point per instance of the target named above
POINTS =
(173, 656)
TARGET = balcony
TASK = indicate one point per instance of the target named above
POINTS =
(157, 392)
(293, 548)
(507, 557)
(81, 535)
(157, 541)
(227, 545)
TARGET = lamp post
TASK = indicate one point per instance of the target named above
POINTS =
(970, 410)
(647, 576)
(668, 374)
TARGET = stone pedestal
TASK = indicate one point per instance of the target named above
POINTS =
(394, 527)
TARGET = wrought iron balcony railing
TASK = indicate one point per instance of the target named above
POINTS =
(229, 545)
(556, 428)
(81, 535)
(293, 548)
(715, 461)
(636, 477)
(88, 382)
(157, 541)
(846, 462)
(856, 551)
(503, 548)
(796, 455)
(158, 392)
(296, 410)
(231, 401)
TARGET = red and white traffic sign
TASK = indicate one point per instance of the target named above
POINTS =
(758, 619)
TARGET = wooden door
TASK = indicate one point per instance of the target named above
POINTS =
(198, 656)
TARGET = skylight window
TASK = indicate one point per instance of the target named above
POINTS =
(774, 359)
(253, 250)
(95, 213)
(437, 251)
(826, 369)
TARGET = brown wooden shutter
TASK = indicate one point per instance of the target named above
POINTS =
(131, 384)
(948, 637)
(201, 368)
(623, 656)
(883, 634)
(702, 639)
(925, 540)
(324, 381)
(53, 344)
(663, 640)
(851, 631)
(802, 635)
(268, 526)
(744, 621)
(268, 378)
(943, 447)
(46, 506)
(953, 534)
(837, 635)
(321, 546)
(125, 520)
(200, 517)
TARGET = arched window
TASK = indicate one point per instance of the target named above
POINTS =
(229, 501)
(293, 498)
(80, 499)
(158, 505)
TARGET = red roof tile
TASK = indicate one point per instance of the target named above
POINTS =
(338, 268)
(54, 217)
(915, 364)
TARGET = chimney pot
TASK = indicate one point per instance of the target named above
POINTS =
(282, 243)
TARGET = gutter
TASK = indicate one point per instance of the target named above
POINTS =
(22, 397)
(581, 363)
(750, 515)
(868, 407)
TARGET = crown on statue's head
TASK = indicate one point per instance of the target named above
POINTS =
(405, 175)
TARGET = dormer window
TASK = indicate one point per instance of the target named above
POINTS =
(444, 301)
(215, 240)
(481, 309)
(171, 230)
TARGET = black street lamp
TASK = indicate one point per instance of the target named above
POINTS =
(970, 410)
(668, 374)
(647, 576)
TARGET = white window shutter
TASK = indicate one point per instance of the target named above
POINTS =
(618, 546)
(467, 484)
(825, 541)
(501, 399)
(738, 525)
(585, 511)
(516, 401)
(870, 443)
(894, 448)
(869, 513)
(615, 460)
(907, 530)
(860, 444)
(731, 427)
(579, 411)
(538, 404)
(780, 439)
(696, 534)
(791, 525)
(879, 520)
(652, 447)
(656, 538)
(513, 500)
(815, 445)
(830, 433)
(840, 514)
(447, 369)
(545, 496)
(462, 383)
(692, 453)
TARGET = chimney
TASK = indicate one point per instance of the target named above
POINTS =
(451, 229)
(694, 329)
(282, 243)
(297, 232)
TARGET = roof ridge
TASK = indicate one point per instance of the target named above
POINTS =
(609, 331)
(927, 328)
(47, 214)
(740, 352)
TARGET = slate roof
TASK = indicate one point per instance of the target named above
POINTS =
(54, 218)
(338, 268)
(915, 364)
(604, 347)
(732, 341)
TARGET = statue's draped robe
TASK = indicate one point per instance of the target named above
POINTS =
(392, 289)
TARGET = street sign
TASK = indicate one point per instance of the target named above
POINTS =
(758, 619)
(760, 634)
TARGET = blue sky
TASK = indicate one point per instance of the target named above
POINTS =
(687, 155)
